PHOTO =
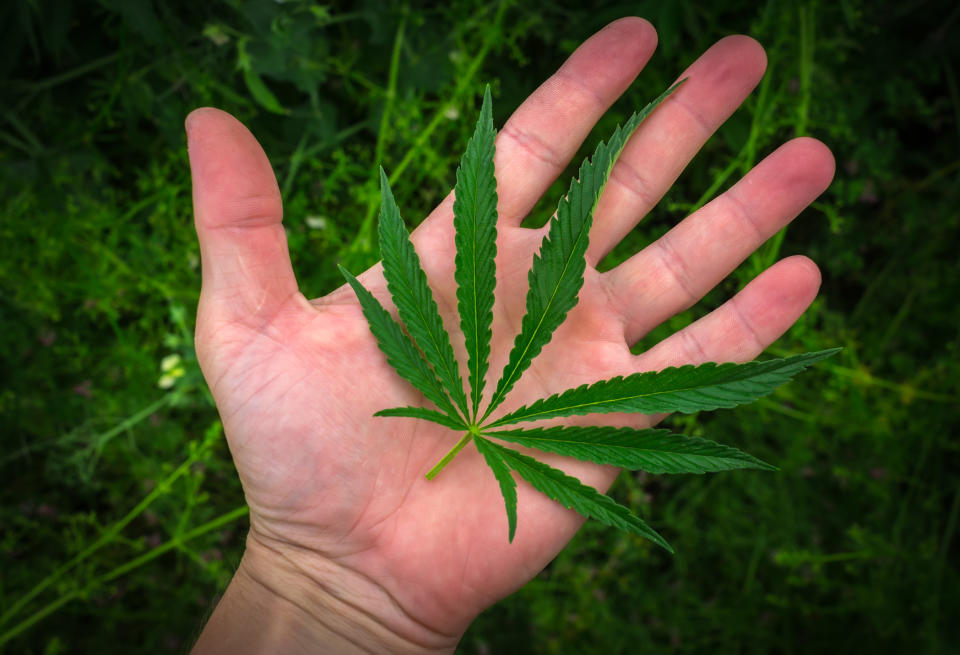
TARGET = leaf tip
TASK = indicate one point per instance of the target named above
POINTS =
(655, 537)
(348, 276)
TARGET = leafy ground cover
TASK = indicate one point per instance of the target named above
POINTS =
(121, 517)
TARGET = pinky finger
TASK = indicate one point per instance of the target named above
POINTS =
(745, 325)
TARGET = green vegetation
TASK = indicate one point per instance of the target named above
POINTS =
(121, 517)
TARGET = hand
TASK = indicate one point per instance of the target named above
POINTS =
(350, 547)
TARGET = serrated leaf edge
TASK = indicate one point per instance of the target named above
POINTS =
(407, 277)
(476, 232)
(508, 486)
(430, 386)
(425, 414)
(535, 411)
(575, 486)
(605, 154)
(558, 440)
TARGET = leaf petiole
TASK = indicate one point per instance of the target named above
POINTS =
(473, 432)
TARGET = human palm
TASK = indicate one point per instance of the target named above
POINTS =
(337, 494)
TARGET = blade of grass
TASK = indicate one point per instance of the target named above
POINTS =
(463, 85)
(363, 240)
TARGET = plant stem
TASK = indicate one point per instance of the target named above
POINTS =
(126, 424)
(71, 74)
(432, 473)
(136, 562)
(364, 238)
(111, 533)
(806, 24)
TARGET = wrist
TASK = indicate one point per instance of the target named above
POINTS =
(298, 602)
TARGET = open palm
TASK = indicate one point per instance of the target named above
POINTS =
(338, 498)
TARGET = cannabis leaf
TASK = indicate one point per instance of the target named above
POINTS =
(423, 354)
(675, 389)
(407, 284)
(653, 451)
(571, 493)
(508, 486)
(557, 272)
(475, 222)
(401, 354)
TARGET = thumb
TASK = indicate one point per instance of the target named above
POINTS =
(247, 276)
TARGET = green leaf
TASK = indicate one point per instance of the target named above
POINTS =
(255, 84)
(262, 93)
(571, 493)
(557, 273)
(676, 389)
(475, 222)
(508, 486)
(426, 414)
(413, 297)
(654, 451)
(401, 354)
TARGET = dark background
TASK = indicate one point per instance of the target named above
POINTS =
(121, 517)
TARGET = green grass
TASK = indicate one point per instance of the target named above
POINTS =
(121, 517)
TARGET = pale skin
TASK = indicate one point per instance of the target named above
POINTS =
(351, 549)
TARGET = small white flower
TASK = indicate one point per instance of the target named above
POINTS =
(172, 368)
(169, 363)
(451, 113)
(316, 222)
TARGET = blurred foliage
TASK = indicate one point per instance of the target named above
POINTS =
(121, 516)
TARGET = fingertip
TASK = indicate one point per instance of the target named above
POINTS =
(796, 280)
(204, 120)
(195, 118)
(789, 178)
(624, 44)
(636, 27)
(748, 52)
(808, 265)
(805, 164)
(806, 271)
(722, 77)
(819, 158)
(190, 121)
